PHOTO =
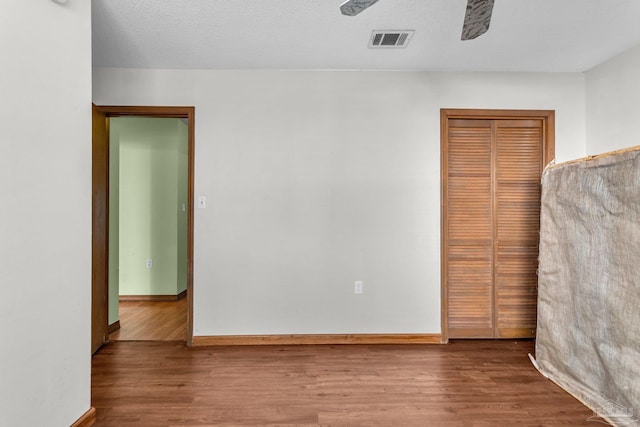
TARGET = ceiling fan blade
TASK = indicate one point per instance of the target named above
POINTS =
(354, 7)
(477, 18)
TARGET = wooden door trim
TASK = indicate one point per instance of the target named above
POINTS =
(548, 152)
(99, 229)
(183, 112)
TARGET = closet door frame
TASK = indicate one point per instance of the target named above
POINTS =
(548, 152)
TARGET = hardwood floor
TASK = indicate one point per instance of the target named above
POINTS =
(152, 321)
(464, 383)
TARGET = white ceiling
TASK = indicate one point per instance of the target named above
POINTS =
(525, 35)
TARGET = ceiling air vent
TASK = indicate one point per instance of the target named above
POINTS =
(390, 38)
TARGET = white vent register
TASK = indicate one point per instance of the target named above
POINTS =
(390, 38)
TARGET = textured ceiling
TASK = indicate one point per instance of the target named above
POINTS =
(525, 35)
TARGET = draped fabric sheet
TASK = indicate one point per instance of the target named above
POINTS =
(588, 337)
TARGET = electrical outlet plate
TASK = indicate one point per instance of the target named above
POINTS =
(358, 288)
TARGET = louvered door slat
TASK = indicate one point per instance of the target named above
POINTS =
(471, 272)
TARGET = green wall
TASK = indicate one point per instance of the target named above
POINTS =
(114, 221)
(149, 180)
(183, 192)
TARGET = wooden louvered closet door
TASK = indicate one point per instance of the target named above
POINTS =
(518, 166)
(470, 229)
(491, 225)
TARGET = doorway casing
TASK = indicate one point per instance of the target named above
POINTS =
(101, 217)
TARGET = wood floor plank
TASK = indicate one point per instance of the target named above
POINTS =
(464, 383)
(152, 321)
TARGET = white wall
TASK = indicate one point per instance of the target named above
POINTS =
(45, 220)
(316, 179)
(613, 103)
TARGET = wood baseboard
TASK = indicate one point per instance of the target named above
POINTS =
(113, 327)
(87, 419)
(154, 298)
(303, 339)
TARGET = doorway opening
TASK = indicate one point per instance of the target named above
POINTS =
(143, 289)
(147, 228)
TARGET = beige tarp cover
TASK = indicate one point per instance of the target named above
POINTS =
(588, 338)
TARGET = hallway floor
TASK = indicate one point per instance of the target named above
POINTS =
(152, 321)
